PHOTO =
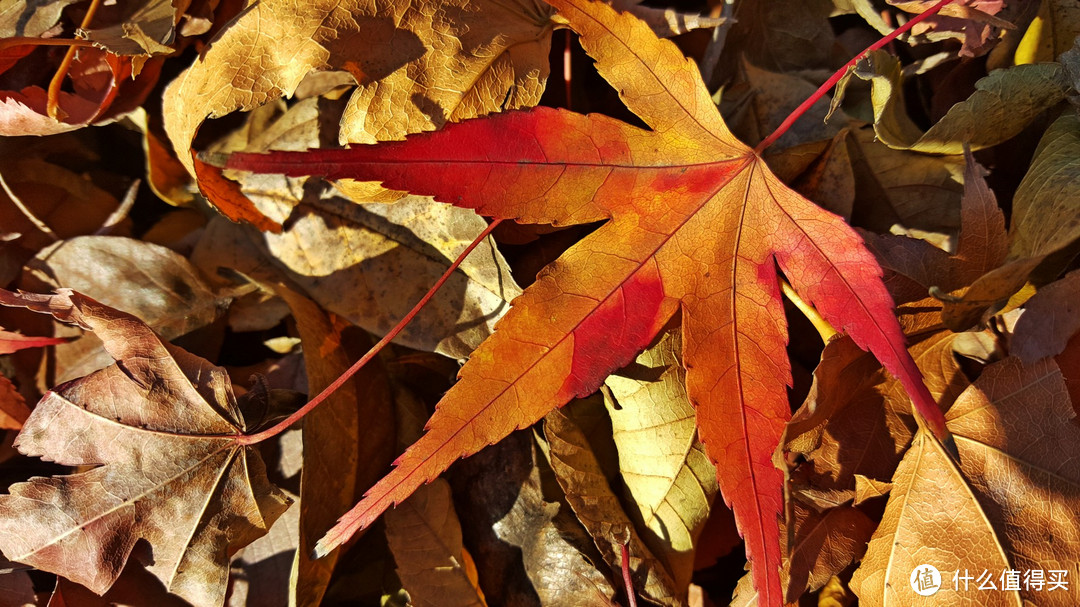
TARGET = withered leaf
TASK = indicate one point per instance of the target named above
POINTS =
(1012, 505)
(425, 537)
(1050, 318)
(1004, 102)
(161, 425)
(580, 473)
(348, 441)
(665, 471)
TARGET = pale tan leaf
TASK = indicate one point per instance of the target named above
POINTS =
(663, 464)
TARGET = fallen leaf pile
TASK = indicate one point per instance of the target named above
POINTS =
(706, 356)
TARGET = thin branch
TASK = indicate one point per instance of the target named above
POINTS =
(52, 102)
(831, 82)
(121, 211)
(250, 439)
(39, 224)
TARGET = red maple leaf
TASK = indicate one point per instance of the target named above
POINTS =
(694, 220)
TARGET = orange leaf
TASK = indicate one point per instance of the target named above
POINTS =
(694, 220)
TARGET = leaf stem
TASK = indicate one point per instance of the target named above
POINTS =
(7, 43)
(632, 596)
(52, 102)
(250, 439)
(824, 329)
(831, 82)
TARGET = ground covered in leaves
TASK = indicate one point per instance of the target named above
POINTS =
(687, 381)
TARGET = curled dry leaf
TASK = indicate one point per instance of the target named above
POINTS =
(160, 425)
(1004, 102)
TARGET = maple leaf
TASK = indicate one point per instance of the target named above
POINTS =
(693, 220)
(160, 425)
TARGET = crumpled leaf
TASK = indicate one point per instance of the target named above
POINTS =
(665, 471)
(407, 86)
(160, 426)
(146, 28)
(425, 536)
(667, 192)
(1005, 101)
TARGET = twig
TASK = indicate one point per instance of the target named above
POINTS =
(52, 102)
(716, 45)
(39, 224)
(825, 88)
(250, 439)
(632, 596)
(121, 211)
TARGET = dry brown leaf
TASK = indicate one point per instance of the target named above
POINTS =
(857, 420)
(60, 199)
(366, 263)
(529, 551)
(13, 409)
(158, 424)
(825, 543)
(349, 441)
(583, 479)
(425, 537)
(1051, 317)
(930, 509)
(1019, 444)
(1043, 221)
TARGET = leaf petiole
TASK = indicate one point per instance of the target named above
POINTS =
(840, 73)
(251, 439)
